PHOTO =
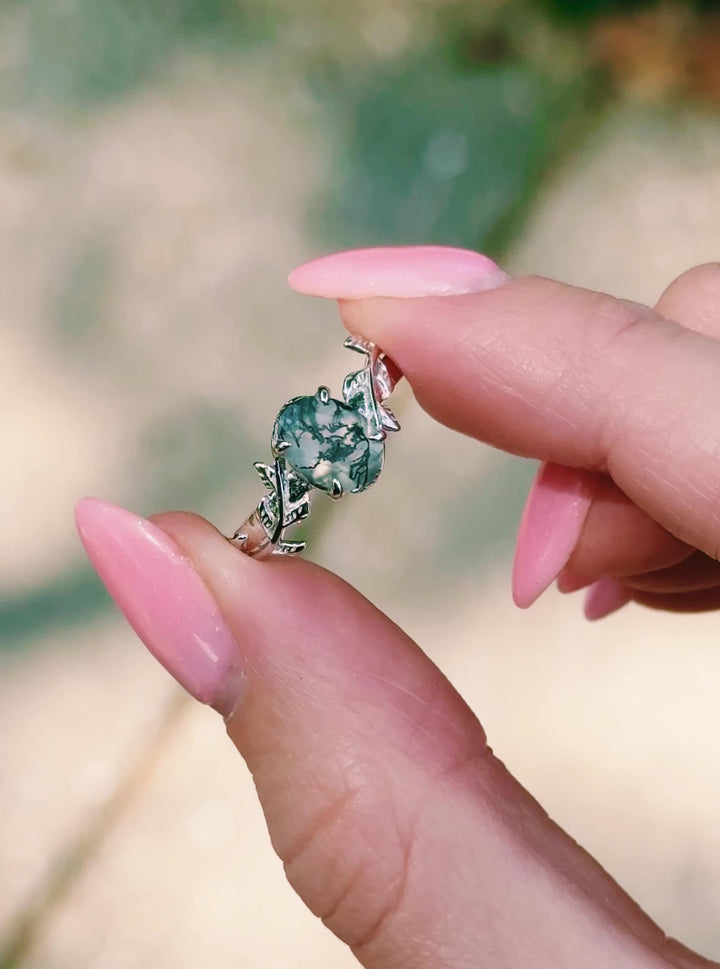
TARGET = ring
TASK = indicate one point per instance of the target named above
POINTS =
(318, 442)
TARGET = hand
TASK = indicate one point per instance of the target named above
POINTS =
(395, 822)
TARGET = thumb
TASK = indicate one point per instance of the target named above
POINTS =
(394, 821)
(573, 377)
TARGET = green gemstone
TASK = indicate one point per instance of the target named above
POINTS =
(328, 443)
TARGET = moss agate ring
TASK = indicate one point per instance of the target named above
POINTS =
(322, 444)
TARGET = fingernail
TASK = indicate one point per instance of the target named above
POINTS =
(551, 524)
(569, 581)
(164, 599)
(605, 596)
(402, 271)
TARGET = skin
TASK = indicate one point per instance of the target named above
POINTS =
(395, 822)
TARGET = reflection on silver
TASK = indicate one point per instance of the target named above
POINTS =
(288, 498)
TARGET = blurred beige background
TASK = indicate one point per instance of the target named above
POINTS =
(147, 339)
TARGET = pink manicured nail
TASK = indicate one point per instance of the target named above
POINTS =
(551, 524)
(403, 271)
(569, 581)
(164, 600)
(605, 596)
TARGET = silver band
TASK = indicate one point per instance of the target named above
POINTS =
(320, 443)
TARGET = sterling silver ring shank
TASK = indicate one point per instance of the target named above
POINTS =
(321, 443)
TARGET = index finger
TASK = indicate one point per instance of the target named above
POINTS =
(570, 376)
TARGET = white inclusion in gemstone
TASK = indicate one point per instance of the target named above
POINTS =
(328, 442)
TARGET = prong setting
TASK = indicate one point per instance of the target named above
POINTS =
(334, 445)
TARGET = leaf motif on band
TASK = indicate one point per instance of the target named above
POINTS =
(268, 513)
(287, 503)
(289, 548)
(296, 513)
(267, 474)
(360, 392)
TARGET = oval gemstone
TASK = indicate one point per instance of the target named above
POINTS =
(327, 442)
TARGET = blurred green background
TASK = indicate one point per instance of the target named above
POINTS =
(162, 168)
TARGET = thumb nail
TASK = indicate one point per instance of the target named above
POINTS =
(156, 587)
(402, 271)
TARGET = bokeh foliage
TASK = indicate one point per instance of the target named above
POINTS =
(442, 134)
